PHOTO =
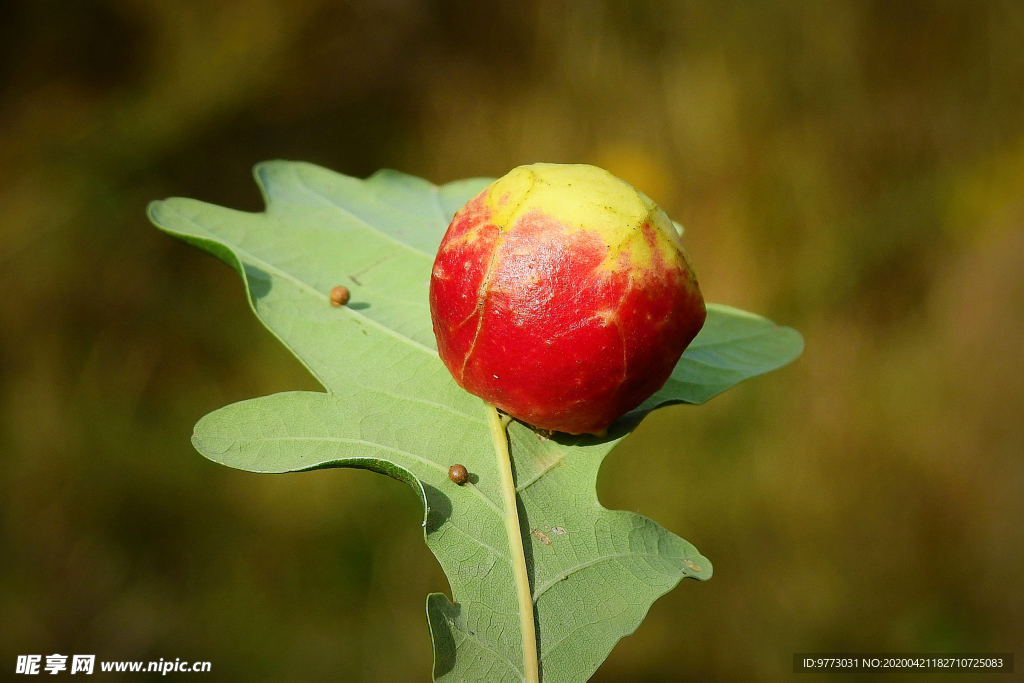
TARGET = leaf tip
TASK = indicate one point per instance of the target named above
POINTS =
(153, 211)
(798, 341)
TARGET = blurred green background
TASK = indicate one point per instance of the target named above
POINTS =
(853, 169)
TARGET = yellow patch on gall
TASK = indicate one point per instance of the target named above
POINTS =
(599, 202)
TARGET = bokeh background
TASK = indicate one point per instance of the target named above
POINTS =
(854, 169)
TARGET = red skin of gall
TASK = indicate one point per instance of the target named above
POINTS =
(529, 317)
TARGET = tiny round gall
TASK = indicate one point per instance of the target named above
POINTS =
(458, 474)
(339, 296)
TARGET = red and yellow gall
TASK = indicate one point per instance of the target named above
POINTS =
(563, 296)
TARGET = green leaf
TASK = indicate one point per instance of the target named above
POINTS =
(392, 407)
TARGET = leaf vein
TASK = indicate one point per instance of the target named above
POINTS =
(329, 202)
(284, 275)
(543, 588)
(390, 449)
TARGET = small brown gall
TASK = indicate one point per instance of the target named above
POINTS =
(458, 474)
(339, 296)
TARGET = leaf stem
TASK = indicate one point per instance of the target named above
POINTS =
(515, 543)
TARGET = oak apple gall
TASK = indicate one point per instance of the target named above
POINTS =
(563, 296)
